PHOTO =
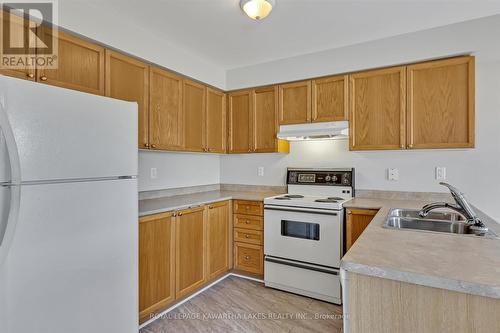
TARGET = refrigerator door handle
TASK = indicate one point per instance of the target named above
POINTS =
(15, 179)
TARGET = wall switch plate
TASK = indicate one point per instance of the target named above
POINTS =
(393, 174)
(260, 171)
(153, 173)
(440, 173)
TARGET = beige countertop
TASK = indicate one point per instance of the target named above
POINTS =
(165, 204)
(468, 264)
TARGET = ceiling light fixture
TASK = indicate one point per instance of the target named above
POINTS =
(257, 9)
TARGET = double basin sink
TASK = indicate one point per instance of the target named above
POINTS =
(447, 222)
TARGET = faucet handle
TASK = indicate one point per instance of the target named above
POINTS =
(452, 188)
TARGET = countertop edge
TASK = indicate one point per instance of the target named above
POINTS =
(186, 206)
(475, 288)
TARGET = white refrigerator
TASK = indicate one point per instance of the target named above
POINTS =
(68, 211)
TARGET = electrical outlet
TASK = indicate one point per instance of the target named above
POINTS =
(153, 173)
(440, 173)
(393, 174)
(260, 171)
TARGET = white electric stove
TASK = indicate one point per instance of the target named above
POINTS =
(303, 233)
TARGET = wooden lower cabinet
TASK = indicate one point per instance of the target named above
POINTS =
(217, 239)
(190, 256)
(356, 222)
(248, 236)
(156, 263)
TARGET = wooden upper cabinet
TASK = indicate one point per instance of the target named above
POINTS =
(240, 121)
(165, 110)
(80, 64)
(190, 243)
(194, 116)
(156, 263)
(217, 239)
(128, 79)
(378, 109)
(330, 99)
(17, 29)
(441, 104)
(295, 103)
(265, 119)
(216, 129)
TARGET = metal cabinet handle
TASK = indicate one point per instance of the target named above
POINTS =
(43, 78)
(210, 207)
(247, 257)
(153, 146)
(30, 75)
(247, 236)
(146, 145)
(410, 146)
(179, 214)
(247, 222)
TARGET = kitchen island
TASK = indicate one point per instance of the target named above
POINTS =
(414, 281)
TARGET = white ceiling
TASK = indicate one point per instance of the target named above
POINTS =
(217, 30)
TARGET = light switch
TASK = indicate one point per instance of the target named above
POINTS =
(154, 173)
(393, 174)
(260, 171)
(440, 173)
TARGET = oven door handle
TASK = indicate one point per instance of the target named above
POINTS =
(299, 265)
(301, 210)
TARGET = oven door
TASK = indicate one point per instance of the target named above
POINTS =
(303, 234)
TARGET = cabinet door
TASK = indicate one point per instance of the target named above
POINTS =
(295, 103)
(165, 110)
(80, 65)
(249, 258)
(441, 104)
(128, 79)
(216, 121)
(156, 263)
(330, 98)
(217, 239)
(190, 258)
(194, 116)
(17, 28)
(356, 222)
(240, 121)
(377, 109)
(265, 119)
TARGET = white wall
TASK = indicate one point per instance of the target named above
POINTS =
(476, 171)
(177, 170)
(133, 39)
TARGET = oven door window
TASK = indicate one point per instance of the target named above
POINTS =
(302, 230)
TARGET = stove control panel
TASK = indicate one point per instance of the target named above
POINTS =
(330, 177)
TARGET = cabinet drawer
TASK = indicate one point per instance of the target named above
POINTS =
(248, 222)
(248, 236)
(248, 207)
(249, 258)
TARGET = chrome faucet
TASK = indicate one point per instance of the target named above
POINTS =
(461, 206)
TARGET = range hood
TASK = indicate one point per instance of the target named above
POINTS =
(315, 131)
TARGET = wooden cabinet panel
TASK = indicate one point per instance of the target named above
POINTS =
(194, 116)
(156, 263)
(80, 65)
(378, 109)
(441, 104)
(18, 27)
(249, 257)
(265, 120)
(190, 258)
(330, 98)
(248, 207)
(295, 103)
(248, 221)
(165, 110)
(128, 79)
(249, 236)
(356, 222)
(216, 129)
(240, 121)
(217, 239)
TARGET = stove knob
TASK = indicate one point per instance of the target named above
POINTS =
(334, 178)
(328, 178)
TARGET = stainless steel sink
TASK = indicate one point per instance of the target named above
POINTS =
(413, 214)
(447, 222)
